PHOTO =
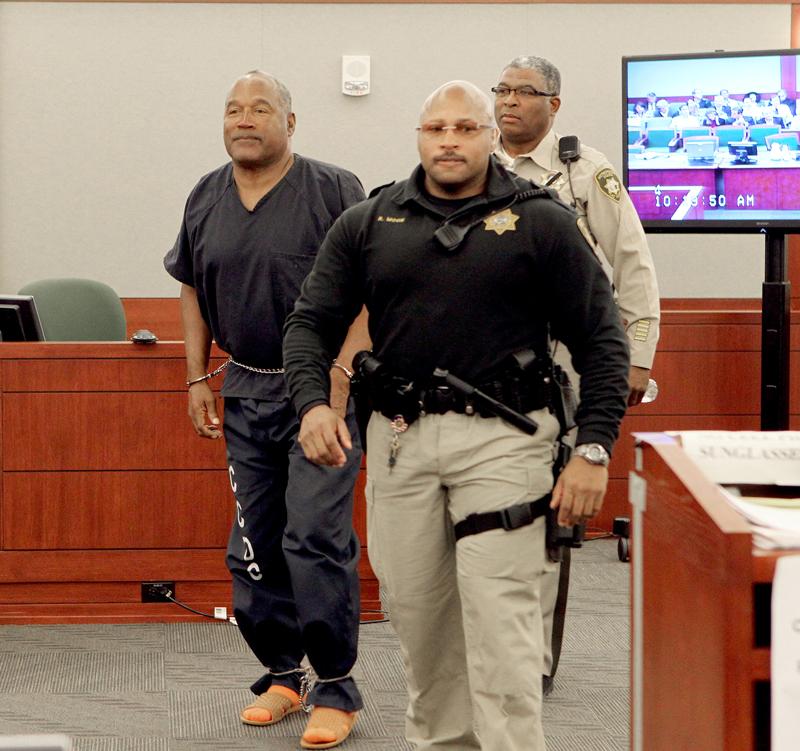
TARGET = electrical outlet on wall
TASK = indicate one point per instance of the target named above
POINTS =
(159, 591)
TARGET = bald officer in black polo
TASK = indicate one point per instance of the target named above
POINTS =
(463, 266)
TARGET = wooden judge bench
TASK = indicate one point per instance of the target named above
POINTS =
(701, 604)
(104, 485)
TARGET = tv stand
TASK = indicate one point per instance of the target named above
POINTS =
(775, 324)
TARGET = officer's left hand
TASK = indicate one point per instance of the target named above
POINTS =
(324, 436)
(579, 491)
(637, 383)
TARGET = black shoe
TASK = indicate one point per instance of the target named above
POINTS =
(547, 685)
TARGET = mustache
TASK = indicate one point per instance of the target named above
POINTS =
(449, 156)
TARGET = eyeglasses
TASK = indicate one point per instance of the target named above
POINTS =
(466, 130)
(524, 92)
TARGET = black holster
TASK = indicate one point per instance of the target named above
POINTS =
(375, 389)
(565, 405)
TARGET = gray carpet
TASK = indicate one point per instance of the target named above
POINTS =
(179, 687)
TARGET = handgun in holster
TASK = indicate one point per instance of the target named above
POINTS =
(564, 401)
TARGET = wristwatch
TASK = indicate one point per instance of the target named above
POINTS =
(594, 453)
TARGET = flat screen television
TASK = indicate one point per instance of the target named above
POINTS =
(19, 320)
(745, 104)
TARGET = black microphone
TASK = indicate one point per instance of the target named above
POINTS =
(569, 149)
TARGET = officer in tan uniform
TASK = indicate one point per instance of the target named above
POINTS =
(526, 102)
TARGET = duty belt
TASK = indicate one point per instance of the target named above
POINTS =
(395, 397)
(518, 394)
(523, 386)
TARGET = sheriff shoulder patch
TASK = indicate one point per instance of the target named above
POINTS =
(609, 183)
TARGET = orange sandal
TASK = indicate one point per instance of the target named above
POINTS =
(327, 727)
(276, 703)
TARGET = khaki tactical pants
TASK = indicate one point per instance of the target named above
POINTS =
(467, 615)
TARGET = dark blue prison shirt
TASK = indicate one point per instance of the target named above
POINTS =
(247, 266)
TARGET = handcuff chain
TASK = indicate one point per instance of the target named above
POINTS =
(210, 375)
(305, 689)
(305, 683)
(218, 370)
(305, 686)
(253, 369)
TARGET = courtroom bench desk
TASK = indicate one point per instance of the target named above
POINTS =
(104, 485)
(701, 613)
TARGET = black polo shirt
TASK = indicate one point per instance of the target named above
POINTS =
(523, 269)
(247, 266)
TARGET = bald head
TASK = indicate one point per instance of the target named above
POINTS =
(284, 97)
(456, 139)
(479, 104)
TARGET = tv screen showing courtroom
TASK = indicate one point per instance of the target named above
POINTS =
(711, 141)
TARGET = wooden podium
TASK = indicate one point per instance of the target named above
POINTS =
(104, 485)
(700, 599)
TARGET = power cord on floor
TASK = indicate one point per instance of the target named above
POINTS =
(166, 593)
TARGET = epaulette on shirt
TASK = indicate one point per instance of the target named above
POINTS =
(374, 192)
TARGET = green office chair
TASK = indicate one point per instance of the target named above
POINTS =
(660, 138)
(78, 310)
(699, 131)
(728, 133)
(783, 139)
(759, 133)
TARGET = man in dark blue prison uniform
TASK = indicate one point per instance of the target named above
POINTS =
(250, 233)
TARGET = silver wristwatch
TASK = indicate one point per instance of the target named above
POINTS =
(594, 453)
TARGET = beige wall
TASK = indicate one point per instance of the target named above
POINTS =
(109, 113)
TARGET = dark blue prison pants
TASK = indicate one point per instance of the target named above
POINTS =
(293, 552)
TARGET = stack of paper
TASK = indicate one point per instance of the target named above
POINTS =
(762, 475)
(776, 521)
